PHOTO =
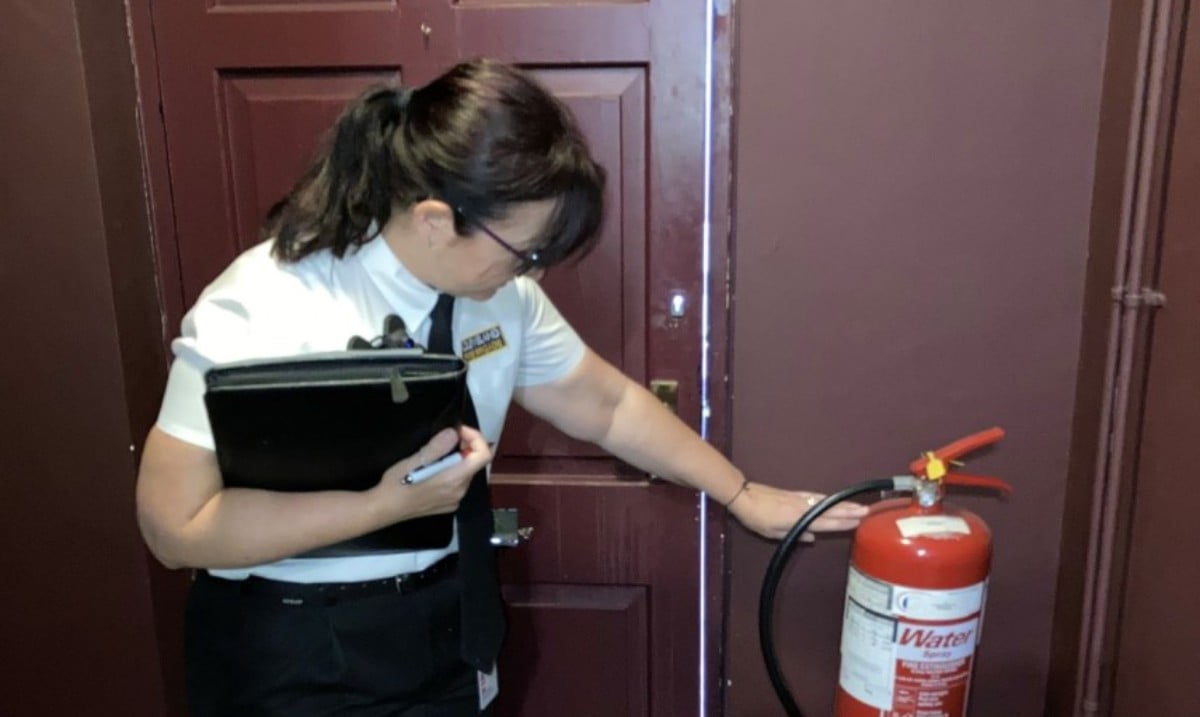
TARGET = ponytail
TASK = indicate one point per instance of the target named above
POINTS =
(349, 188)
(482, 137)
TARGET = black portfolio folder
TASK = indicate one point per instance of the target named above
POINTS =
(335, 421)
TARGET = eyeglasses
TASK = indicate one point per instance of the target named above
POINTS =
(527, 261)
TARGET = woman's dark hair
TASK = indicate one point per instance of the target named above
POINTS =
(480, 137)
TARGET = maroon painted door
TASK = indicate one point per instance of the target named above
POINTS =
(1159, 626)
(604, 599)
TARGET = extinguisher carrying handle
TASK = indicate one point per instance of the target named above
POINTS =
(960, 479)
(766, 598)
(957, 449)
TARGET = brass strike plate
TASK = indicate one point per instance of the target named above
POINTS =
(666, 391)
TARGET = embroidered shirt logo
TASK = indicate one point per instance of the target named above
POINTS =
(483, 343)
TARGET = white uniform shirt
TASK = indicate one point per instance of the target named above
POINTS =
(260, 308)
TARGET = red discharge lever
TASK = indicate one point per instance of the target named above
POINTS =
(932, 465)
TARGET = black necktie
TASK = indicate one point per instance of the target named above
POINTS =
(482, 611)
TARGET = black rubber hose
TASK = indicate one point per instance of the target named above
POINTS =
(766, 599)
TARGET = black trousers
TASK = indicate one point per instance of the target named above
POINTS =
(393, 655)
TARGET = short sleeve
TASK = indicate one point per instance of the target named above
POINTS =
(212, 333)
(242, 315)
(183, 414)
(551, 348)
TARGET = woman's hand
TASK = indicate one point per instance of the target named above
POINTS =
(442, 492)
(771, 512)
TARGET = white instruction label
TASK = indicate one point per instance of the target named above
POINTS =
(868, 669)
(868, 592)
(938, 605)
(931, 524)
(908, 651)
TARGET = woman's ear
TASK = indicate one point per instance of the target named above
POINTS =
(434, 222)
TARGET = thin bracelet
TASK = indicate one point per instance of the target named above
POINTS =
(745, 485)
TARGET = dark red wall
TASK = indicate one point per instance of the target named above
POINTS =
(913, 193)
(76, 621)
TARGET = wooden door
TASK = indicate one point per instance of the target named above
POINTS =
(604, 599)
(1159, 625)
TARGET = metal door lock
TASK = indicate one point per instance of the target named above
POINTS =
(678, 305)
(506, 530)
(677, 309)
(666, 391)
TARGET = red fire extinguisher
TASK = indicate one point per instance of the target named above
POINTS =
(914, 597)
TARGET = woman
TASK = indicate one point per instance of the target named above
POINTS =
(441, 204)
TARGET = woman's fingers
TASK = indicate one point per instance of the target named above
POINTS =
(475, 449)
(842, 516)
(773, 512)
(475, 452)
(472, 444)
(825, 525)
(442, 443)
(845, 509)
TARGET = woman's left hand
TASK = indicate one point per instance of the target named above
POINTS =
(771, 512)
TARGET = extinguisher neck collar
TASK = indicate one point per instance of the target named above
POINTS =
(928, 493)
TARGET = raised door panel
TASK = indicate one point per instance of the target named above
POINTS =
(565, 634)
(247, 88)
(272, 124)
(604, 295)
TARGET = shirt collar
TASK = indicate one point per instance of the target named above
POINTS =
(410, 297)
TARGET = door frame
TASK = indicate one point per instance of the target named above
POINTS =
(1137, 110)
(169, 591)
